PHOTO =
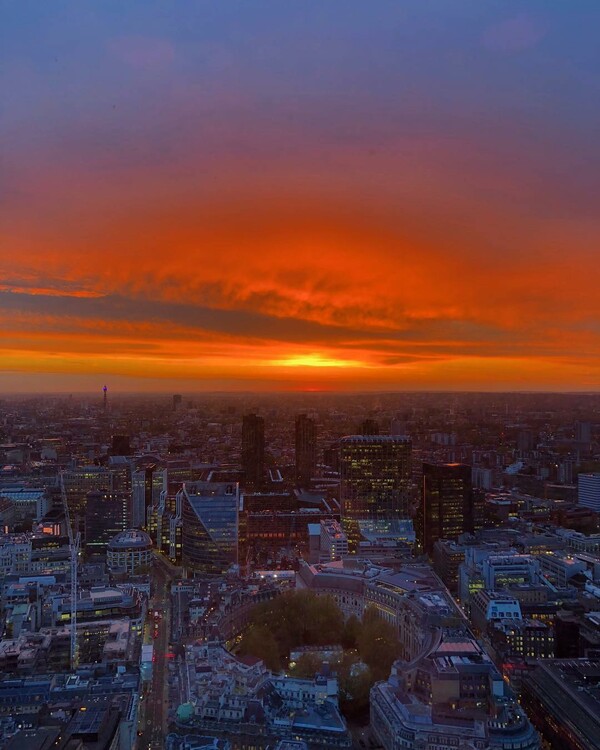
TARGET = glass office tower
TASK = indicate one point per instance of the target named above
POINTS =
(375, 484)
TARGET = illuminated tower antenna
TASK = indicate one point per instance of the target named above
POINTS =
(105, 390)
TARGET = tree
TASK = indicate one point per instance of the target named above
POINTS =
(259, 641)
(351, 631)
(307, 666)
(378, 644)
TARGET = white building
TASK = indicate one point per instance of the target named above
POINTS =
(334, 542)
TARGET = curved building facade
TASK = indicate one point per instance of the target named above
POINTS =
(129, 551)
(209, 526)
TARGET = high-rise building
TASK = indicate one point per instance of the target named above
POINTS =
(368, 427)
(583, 433)
(588, 491)
(375, 483)
(106, 514)
(209, 526)
(306, 449)
(331, 457)
(253, 448)
(177, 401)
(147, 483)
(449, 505)
(120, 445)
(78, 482)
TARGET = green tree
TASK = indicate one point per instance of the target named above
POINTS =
(378, 644)
(259, 641)
(307, 666)
(351, 631)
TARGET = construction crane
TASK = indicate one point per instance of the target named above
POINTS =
(74, 545)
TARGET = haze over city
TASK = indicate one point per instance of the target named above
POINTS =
(299, 196)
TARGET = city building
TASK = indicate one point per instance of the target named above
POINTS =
(208, 515)
(562, 698)
(106, 514)
(450, 697)
(334, 542)
(588, 491)
(129, 551)
(447, 557)
(239, 700)
(253, 449)
(521, 638)
(488, 606)
(306, 449)
(147, 483)
(375, 483)
(368, 427)
(121, 445)
(449, 504)
(78, 482)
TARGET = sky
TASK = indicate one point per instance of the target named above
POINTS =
(299, 195)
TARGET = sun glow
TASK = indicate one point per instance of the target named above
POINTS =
(315, 360)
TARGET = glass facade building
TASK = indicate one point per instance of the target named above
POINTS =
(253, 449)
(209, 527)
(449, 505)
(375, 483)
(106, 514)
(306, 449)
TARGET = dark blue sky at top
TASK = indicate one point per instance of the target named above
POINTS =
(531, 62)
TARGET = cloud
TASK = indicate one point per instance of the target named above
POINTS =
(238, 194)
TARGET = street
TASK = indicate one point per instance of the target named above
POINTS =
(153, 716)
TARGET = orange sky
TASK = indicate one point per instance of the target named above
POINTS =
(243, 221)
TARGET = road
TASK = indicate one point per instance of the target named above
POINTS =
(154, 712)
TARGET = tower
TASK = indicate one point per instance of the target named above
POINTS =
(306, 449)
(105, 399)
(375, 483)
(369, 427)
(449, 505)
(253, 448)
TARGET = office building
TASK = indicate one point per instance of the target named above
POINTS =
(130, 551)
(583, 433)
(306, 449)
(253, 449)
(562, 698)
(334, 542)
(451, 696)
(209, 526)
(448, 556)
(78, 482)
(121, 445)
(449, 505)
(147, 483)
(368, 427)
(106, 514)
(375, 483)
(588, 491)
